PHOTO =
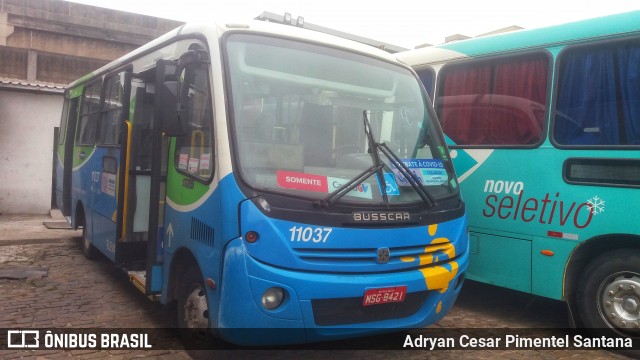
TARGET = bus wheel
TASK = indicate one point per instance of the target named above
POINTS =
(193, 311)
(90, 251)
(609, 294)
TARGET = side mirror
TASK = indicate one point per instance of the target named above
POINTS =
(172, 89)
(185, 72)
(194, 56)
(167, 98)
(167, 94)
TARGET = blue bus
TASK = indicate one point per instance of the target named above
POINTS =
(263, 176)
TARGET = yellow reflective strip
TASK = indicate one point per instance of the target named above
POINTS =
(137, 282)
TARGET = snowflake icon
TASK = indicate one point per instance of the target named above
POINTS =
(596, 205)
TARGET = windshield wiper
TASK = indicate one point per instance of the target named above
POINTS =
(413, 180)
(378, 167)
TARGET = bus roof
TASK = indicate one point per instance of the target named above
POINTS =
(217, 29)
(612, 26)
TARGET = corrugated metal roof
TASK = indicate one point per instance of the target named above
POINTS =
(32, 86)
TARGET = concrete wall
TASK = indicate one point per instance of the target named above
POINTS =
(44, 45)
(26, 144)
(59, 41)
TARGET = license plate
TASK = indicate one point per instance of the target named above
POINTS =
(384, 295)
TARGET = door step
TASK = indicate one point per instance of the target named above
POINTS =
(139, 279)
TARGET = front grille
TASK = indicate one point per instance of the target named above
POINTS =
(366, 256)
(343, 311)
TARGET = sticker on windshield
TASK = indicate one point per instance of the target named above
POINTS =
(301, 181)
(193, 165)
(434, 176)
(205, 161)
(428, 171)
(182, 162)
(363, 190)
(390, 181)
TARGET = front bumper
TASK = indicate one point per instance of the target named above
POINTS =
(332, 299)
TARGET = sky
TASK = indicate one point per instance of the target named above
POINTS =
(405, 23)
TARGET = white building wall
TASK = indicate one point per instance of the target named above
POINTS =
(26, 150)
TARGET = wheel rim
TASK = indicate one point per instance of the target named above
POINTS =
(619, 301)
(195, 309)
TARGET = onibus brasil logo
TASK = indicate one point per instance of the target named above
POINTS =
(33, 339)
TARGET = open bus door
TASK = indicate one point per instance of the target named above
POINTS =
(140, 247)
(63, 159)
(142, 174)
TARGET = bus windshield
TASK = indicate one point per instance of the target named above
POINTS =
(298, 123)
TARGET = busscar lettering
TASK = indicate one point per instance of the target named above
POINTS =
(381, 216)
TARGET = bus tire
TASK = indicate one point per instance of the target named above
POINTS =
(608, 298)
(193, 311)
(90, 251)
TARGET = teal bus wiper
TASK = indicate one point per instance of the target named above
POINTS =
(378, 168)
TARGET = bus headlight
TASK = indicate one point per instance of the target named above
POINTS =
(272, 298)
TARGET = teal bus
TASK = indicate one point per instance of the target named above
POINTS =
(263, 176)
(544, 130)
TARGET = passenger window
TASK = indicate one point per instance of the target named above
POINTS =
(142, 103)
(90, 112)
(112, 110)
(602, 172)
(63, 121)
(598, 100)
(494, 102)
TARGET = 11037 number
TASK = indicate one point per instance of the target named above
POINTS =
(309, 234)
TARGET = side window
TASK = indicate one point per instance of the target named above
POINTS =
(194, 155)
(602, 172)
(69, 118)
(64, 120)
(112, 108)
(142, 103)
(598, 99)
(498, 102)
(89, 114)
